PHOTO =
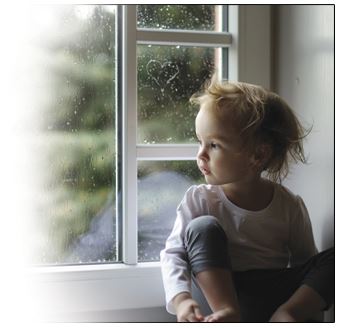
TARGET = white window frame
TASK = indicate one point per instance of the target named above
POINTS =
(80, 289)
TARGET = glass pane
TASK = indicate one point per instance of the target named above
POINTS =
(167, 77)
(182, 17)
(74, 141)
(161, 186)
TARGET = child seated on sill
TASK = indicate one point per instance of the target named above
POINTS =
(237, 234)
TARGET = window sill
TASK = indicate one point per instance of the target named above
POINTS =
(92, 288)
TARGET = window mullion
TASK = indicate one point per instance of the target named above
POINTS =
(184, 38)
(129, 95)
(167, 152)
(233, 50)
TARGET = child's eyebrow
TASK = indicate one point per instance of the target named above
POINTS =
(219, 137)
(223, 138)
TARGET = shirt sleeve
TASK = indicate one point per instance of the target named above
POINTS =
(301, 241)
(174, 263)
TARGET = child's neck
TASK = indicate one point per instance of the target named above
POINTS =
(254, 195)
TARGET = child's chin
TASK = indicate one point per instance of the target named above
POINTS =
(211, 181)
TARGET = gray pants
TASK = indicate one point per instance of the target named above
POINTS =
(260, 292)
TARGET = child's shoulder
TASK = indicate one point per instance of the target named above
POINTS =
(203, 191)
(287, 195)
(203, 188)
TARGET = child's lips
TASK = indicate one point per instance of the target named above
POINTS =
(204, 170)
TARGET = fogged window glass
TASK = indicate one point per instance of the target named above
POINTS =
(167, 77)
(75, 139)
(161, 186)
(184, 17)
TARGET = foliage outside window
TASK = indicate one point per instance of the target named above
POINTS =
(76, 135)
(76, 218)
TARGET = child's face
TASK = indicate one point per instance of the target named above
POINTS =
(221, 158)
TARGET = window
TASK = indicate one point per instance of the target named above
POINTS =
(130, 69)
(171, 66)
(78, 217)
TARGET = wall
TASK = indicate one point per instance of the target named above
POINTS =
(303, 73)
(252, 44)
(304, 77)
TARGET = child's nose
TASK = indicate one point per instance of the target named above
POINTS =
(202, 153)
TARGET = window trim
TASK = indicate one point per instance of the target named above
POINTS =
(166, 152)
(129, 129)
(95, 288)
(88, 288)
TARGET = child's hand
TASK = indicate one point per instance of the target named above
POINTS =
(187, 309)
(223, 315)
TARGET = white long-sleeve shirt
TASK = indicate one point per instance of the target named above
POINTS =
(275, 237)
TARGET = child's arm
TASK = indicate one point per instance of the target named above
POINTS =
(174, 263)
(187, 309)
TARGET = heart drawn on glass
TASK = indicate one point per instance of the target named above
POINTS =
(162, 74)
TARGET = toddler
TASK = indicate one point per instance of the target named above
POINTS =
(243, 237)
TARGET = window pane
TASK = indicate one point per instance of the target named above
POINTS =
(161, 186)
(183, 17)
(75, 138)
(167, 77)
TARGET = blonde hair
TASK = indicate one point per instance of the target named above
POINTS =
(262, 117)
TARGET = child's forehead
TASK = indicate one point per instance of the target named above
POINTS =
(222, 123)
(221, 113)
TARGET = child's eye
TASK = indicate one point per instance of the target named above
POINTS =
(214, 145)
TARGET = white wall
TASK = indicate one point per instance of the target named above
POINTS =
(304, 77)
(251, 45)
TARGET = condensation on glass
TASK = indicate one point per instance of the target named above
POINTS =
(161, 186)
(182, 17)
(167, 77)
(75, 142)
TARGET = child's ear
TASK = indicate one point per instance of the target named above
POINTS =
(261, 156)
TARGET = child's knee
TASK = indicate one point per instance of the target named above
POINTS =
(204, 226)
(206, 244)
(321, 277)
(283, 315)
